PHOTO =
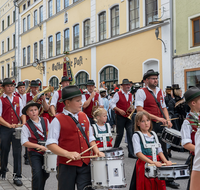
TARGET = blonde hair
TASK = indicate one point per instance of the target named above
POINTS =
(138, 118)
(98, 112)
(177, 92)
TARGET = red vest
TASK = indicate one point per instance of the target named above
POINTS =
(17, 94)
(150, 103)
(33, 139)
(60, 105)
(8, 113)
(123, 103)
(88, 110)
(28, 97)
(71, 138)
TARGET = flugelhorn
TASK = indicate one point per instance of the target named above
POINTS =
(131, 114)
(131, 107)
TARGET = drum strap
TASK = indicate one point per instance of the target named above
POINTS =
(158, 104)
(81, 129)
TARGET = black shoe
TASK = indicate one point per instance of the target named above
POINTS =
(3, 176)
(169, 154)
(17, 182)
(132, 156)
(172, 184)
(26, 161)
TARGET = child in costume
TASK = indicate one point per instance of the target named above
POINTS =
(139, 181)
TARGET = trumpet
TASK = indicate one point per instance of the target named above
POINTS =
(131, 114)
(131, 107)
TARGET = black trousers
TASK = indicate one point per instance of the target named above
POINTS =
(189, 162)
(68, 176)
(7, 138)
(123, 122)
(39, 175)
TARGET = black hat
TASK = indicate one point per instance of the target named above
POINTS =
(113, 92)
(0, 81)
(149, 73)
(35, 83)
(8, 81)
(125, 81)
(168, 88)
(29, 104)
(175, 86)
(69, 92)
(102, 90)
(191, 94)
(65, 78)
(21, 83)
(90, 82)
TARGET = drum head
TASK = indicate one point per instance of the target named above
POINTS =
(173, 131)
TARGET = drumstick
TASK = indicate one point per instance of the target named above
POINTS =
(84, 152)
(89, 156)
(168, 119)
(164, 164)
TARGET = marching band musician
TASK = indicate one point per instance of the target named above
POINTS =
(192, 98)
(21, 90)
(120, 103)
(10, 115)
(68, 141)
(34, 131)
(91, 99)
(56, 106)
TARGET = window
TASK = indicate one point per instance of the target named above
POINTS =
(2, 25)
(66, 3)
(151, 10)
(57, 6)
(28, 55)
(196, 31)
(41, 49)
(81, 80)
(8, 21)
(24, 56)
(75, 1)
(8, 70)
(13, 40)
(28, 22)
(110, 76)
(87, 32)
(8, 44)
(13, 16)
(2, 72)
(24, 7)
(41, 14)
(50, 8)
(76, 36)
(50, 46)
(35, 18)
(28, 3)
(133, 14)
(2, 47)
(35, 51)
(54, 82)
(66, 40)
(115, 21)
(58, 44)
(192, 77)
(102, 26)
(24, 25)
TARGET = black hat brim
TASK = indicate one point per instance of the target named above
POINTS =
(29, 105)
(150, 74)
(62, 100)
(7, 84)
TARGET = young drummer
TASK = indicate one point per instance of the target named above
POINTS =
(34, 130)
(192, 98)
(67, 141)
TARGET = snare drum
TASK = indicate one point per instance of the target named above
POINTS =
(108, 172)
(18, 131)
(172, 137)
(50, 161)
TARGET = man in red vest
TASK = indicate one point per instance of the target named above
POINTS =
(21, 90)
(10, 115)
(67, 139)
(144, 100)
(120, 102)
(56, 106)
(91, 99)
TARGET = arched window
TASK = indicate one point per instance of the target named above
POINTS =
(110, 76)
(40, 87)
(54, 82)
(81, 79)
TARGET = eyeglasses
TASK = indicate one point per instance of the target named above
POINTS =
(154, 78)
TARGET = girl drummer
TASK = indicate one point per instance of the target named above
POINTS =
(139, 181)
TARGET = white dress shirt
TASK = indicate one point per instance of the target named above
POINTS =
(54, 99)
(11, 100)
(25, 133)
(22, 96)
(54, 129)
(137, 145)
(186, 130)
(140, 97)
(99, 99)
(115, 99)
(196, 162)
(24, 100)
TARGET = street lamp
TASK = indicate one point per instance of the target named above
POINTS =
(157, 34)
(39, 65)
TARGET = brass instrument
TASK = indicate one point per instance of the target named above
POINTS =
(95, 106)
(1, 91)
(28, 89)
(59, 88)
(131, 114)
(49, 111)
(131, 107)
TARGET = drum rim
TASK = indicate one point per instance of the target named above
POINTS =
(179, 166)
(111, 186)
(113, 150)
(107, 158)
(176, 146)
(170, 131)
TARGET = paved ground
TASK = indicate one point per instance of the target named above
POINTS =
(51, 184)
